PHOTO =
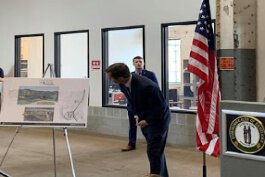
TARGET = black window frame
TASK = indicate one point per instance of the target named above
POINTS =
(17, 41)
(164, 59)
(57, 52)
(105, 59)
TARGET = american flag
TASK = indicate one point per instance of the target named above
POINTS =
(202, 63)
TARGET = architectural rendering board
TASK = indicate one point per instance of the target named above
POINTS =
(45, 102)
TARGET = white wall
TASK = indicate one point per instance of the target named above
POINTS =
(48, 16)
(260, 50)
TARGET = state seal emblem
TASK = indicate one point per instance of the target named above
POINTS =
(247, 134)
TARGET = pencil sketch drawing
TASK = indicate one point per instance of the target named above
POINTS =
(72, 109)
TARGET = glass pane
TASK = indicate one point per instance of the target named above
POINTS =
(180, 82)
(174, 61)
(123, 46)
(31, 56)
(182, 93)
(74, 55)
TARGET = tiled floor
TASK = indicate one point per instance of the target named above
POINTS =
(31, 155)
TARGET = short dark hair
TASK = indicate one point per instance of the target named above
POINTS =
(137, 57)
(118, 70)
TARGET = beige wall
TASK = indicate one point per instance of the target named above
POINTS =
(32, 52)
(35, 57)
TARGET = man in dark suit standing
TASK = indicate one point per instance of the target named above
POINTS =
(1, 73)
(1, 80)
(150, 110)
(138, 63)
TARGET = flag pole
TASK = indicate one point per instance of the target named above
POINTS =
(204, 168)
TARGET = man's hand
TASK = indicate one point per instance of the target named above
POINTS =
(1, 79)
(142, 123)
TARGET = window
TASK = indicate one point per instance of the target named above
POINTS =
(119, 45)
(179, 85)
(29, 55)
(174, 61)
(71, 54)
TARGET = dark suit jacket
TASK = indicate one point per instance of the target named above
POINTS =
(1, 73)
(148, 74)
(147, 100)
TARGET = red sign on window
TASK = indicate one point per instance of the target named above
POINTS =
(118, 98)
(95, 64)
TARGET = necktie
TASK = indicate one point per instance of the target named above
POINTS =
(128, 92)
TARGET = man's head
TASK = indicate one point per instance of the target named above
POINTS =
(118, 72)
(138, 63)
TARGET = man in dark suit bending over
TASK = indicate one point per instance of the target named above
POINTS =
(138, 63)
(150, 110)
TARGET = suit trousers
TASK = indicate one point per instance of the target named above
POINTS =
(156, 137)
(132, 129)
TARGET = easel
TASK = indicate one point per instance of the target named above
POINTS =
(52, 75)
(4, 174)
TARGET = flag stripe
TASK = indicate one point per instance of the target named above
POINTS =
(213, 110)
(199, 65)
(197, 49)
(201, 38)
(197, 71)
(202, 137)
(211, 146)
(200, 44)
(198, 57)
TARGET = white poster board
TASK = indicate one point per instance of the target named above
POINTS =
(44, 102)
